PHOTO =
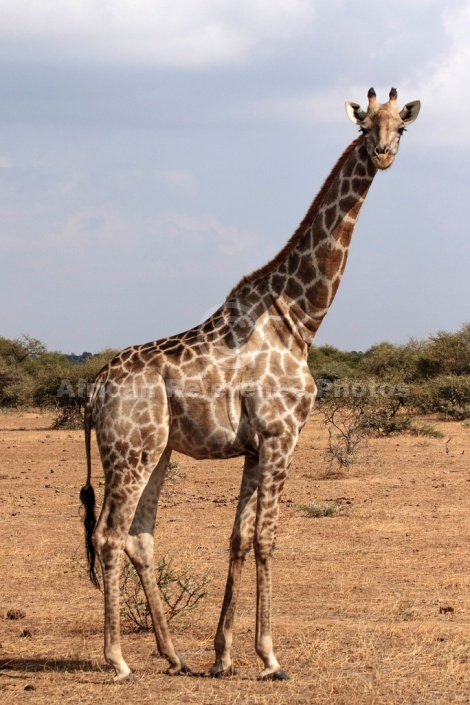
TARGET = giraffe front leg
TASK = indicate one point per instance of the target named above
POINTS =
(264, 643)
(240, 543)
(273, 474)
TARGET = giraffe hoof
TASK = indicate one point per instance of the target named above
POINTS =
(181, 669)
(279, 675)
(184, 669)
(231, 671)
(130, 678)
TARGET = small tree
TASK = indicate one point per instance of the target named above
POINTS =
(17, 350)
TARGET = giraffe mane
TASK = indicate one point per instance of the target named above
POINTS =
(295, 239)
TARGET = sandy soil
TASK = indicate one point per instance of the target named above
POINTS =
(370, 606)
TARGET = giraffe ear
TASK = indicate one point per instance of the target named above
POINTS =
(410, 112)
(355, 112)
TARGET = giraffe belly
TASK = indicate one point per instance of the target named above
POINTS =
(210, 428)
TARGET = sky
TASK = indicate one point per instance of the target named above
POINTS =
(152, 152)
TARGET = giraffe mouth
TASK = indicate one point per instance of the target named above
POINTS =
(383, 161)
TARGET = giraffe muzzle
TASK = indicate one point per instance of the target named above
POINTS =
(382, 157)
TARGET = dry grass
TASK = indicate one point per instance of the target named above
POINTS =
(360, 600)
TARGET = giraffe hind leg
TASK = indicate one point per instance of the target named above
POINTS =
(140, 549)
(124, 487)
(108, 541)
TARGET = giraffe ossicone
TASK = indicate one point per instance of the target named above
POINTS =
(238, 384)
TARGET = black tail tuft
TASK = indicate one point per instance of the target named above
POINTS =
(87, 498)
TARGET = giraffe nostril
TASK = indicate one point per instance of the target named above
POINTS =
(382, 149)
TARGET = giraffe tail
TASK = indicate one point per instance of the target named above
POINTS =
(87, 498)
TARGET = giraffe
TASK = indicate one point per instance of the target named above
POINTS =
(236, 385)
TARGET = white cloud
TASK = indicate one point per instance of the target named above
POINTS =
(315, 108)
(444, 85)
(6, 163)
(92, 226)
(40, 228)
(204, 229)
(322, 107)
(179, 180)
(145, 32)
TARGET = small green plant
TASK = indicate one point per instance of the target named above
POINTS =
(174, 471)
(180, 591)
(428, 430)
(321, 509)
(404, 607)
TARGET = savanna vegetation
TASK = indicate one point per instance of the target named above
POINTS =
(386, 385)
(430, 376)
(33, 376)
(386, 390)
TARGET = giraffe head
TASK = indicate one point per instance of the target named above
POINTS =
(382, 125)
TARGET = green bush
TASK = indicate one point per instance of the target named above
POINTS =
(387, 361)
(448, 395)
(16, 383)
(386, 417)
(328, 363)
(15, 386)
(67, 389)
(446, 354)
(18, 350)
(30, 375)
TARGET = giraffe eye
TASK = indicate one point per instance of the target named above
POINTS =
(364, 130)
(401, 130)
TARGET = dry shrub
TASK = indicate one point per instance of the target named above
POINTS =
(180, 591)
(354, 410)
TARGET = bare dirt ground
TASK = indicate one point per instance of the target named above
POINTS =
(370, 606)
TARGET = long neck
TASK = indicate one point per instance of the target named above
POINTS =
(302, 280)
